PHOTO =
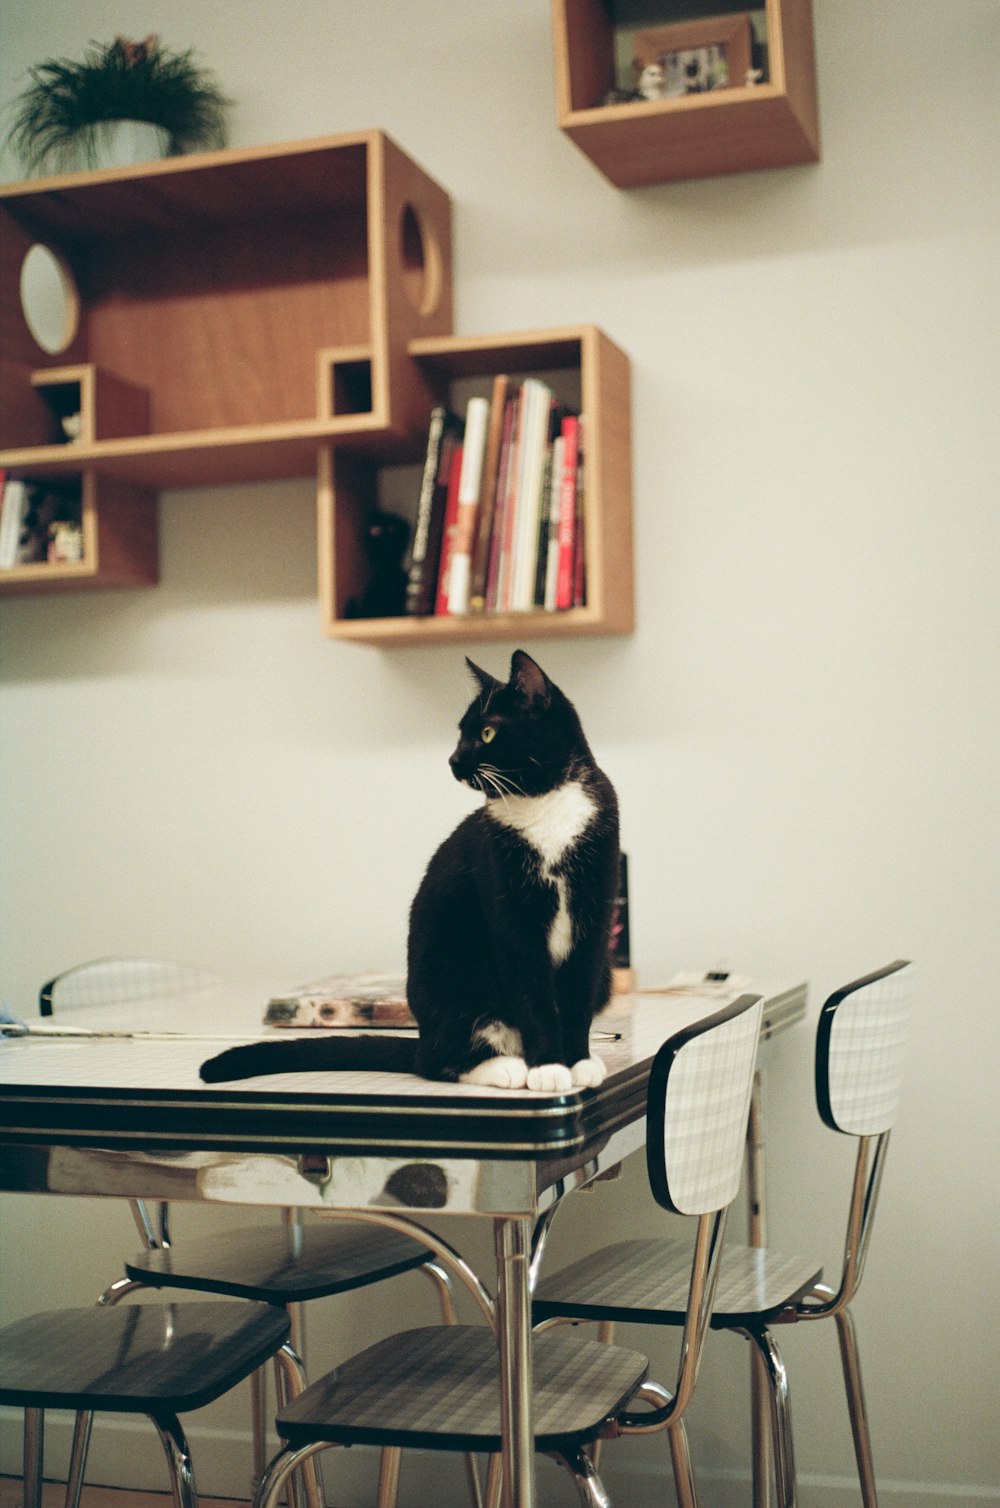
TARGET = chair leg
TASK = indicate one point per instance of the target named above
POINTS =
(680, 1458)
(258, 1424)
(446, 1298)
(851, 1363)
(305, 1491)
(388, 1477)
(285, 1462)
(781, 1416)
(589, 1486)
(78, 1458)
(178, 1455)
(34, 1441)
(118, 1290)
(759, 1431)
(494, 1482)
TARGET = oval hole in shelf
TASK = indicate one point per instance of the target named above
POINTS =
(421, 261)
(49, 300)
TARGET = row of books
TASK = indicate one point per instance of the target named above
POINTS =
(38, 521)
(499, 524)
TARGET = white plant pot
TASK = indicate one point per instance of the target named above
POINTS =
(121, 143)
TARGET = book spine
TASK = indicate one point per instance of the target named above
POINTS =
(580, 534)
(567, 511)
(498, 530)
(476, 422)
(448, 536)
(424, 557)
(505, 563)
(552, 543)
(529, 494)
(12, 515)
(544, 516)
(479, 569)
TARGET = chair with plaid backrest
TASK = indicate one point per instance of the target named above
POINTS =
(860, 1041)
(439, 1388)
(285, 1263)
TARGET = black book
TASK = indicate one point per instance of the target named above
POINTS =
(444, 433)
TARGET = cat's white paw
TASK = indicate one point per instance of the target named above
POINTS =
(589, 1073)
(550, 1076)
(497, 1073)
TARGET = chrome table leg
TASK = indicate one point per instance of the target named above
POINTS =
(512, 1236)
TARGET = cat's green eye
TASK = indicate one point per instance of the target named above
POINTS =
(489, 734)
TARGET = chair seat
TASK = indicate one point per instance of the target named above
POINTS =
(647, 1282)
(439, 1387)
(278, 1265)
(139, 1358)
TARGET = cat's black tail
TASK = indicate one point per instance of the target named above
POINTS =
(386, 1054)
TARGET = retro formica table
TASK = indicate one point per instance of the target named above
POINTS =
(128, 1117)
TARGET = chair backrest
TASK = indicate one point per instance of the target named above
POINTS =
(698, 1103)
(112, 981)
(860, 1044)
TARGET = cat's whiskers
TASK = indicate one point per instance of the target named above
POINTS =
(502, 783)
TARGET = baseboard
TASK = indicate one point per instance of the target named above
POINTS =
(125, 1452)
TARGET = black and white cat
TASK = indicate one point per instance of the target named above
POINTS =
(507, 960)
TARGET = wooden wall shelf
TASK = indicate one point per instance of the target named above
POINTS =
(119, 527)
(737, 129)
(205, 286)
(586, 369)
(253, 314)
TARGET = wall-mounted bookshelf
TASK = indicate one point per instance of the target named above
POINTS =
(253, 314)
(589, 373)
(740, 128)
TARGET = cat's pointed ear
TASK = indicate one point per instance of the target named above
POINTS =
(530, 680)
(487, 683)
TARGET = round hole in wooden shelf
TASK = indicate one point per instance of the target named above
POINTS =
(49, 299)
(421, 261)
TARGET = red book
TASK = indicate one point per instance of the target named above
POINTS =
(567, 511)
(448, 537)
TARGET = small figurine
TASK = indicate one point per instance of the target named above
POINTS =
(652, 81)
(65, 542)
(384, 595)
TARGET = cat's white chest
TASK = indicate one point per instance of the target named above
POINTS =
(551, 824)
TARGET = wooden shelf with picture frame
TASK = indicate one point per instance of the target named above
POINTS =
(742, 87)
(591, 375)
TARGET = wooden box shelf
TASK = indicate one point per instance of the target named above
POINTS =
(588, 371)
(737, 129)
(119, 526)
(204, 289)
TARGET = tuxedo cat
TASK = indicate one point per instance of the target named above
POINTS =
(507, 959)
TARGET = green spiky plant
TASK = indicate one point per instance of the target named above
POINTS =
(60, 116)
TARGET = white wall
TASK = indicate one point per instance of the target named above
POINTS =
(803, 730)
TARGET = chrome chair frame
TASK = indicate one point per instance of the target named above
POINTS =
(116, 980)
(709, 1070)
(127, 1377)
(857, 1089)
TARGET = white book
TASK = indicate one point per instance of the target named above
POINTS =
(12, 516)
(477, 418)
(529, 494)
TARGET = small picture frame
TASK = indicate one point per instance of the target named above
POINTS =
(697, 57)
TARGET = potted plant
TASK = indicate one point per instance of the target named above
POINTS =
(68, 116)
